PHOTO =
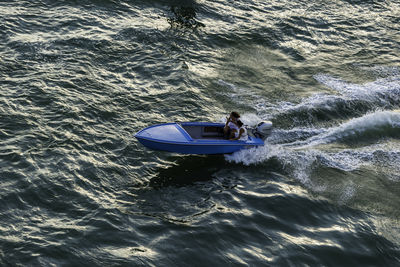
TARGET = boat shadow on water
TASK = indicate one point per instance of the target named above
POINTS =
(188, 170)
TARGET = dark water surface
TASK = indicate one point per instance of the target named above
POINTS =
(79, 78)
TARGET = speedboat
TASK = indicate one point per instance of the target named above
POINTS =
(198, 138)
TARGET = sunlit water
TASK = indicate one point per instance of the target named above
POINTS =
(78, 79)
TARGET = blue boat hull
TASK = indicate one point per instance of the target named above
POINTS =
(173, 137)
(192, 149)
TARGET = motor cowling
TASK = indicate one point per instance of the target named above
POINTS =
(263, 129)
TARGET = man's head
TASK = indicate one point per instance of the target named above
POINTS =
(234, 115)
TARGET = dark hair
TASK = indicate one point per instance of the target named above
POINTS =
(235, 114)
(240, 123)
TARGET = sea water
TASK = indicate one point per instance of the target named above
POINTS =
(79, 78)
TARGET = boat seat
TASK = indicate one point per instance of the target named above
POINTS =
(212, 131)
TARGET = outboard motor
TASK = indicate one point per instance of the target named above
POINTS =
(263, 129)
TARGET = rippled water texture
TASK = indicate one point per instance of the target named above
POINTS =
(79, 78)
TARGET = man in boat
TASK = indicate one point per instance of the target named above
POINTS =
(231, 125)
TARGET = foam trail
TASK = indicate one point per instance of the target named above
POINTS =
(351, 99)
(301, 157)
(367, 142)
(377, 124)
(387, 86)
